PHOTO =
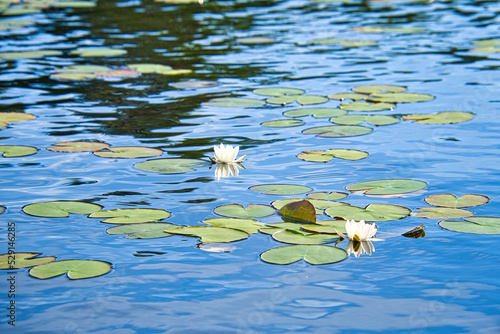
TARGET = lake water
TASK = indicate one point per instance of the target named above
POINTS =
(445, 282)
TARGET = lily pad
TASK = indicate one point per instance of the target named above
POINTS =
(278, 91)
(366, 106)
(281, 189)
(301, 211)
(150, 68)
(487, 46)
(128, 152)
(387, 187)
(250, 226)
(452, 201)
(282, 100)
(370, 119)
(2, 209)
(272, 228)
(11, 117)
(194, 84)
(303, 238)
(474, 225)
(75, 269)
(73, 76)
(283, 123)
(98, 52)
(326, 227)
(73, 4)
(315, 112)
(211, 234)
(142, 230)
(333, 196)
(238, 211)
(118, 73)
(78, 146)
(374, 89)
(60, 208)
(350, 96)
(170, 165)
(131, 216)
(234, 102)
(23, 260)
(11, 151)
(442, 213)
(29, 54)
(325, 156)
(400, 97)
(311, 99)
(313, 254)
(444, 117)
(372, 213)
(84, 69)
(319, 204)
(338, 131)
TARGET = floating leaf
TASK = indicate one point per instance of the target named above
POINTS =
(211, 234)
(387, 187)
(319, 204)
(344, 42)
(11, 151)
(373, 89)
(281, 189)
(278, 91)
(272, 228)
(142, 230)
(150, 68)
(303, 238)
(315, 112)
(29, 54)
(373, 212)
(283, 123)
(400, 97)
(170, 165)
(333, 196)
(118, 73)
(326, 227)
(444, 117)
(366, 106)
(474, 225)
(338, 131)
(238, 211)
(23, 260)
(417, 232)
(452, 201)
(313, 254)
(255, 40)
(442, 213)
(2, 209)
(282, 100)
(73, 4)
(301, 211)
(358, 119)
(234, 102)
(60, 208)
(75, 269)
(194, 84)
(11, 117)
(250, 226)
(73, 76)
(350, 96)
(311, 99)
(84, 69)
(98, 52)
(325, 156)
(128, 152)
(78, 146)
(487, 46)
(131, 216)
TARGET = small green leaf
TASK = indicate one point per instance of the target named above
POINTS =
(78, 146)
(238, 211)
(281, 189)
(313, 254)
(211, 234)
(451, 201)
(311, 99)
(11, 117)
(301, 211)
(333, 196)
(98, 52)
(366, 106)
(370, 119)
(23, 260)
(250, 226)
(315, 112)
(372, 213)
(400, 97)
(11, 151)
(278, 91)
(150, 68)
(303, 238)
(234, 102)
(325, 156)
(29, 54)
(131, 216)
(333, 131)
(171, 165)
(387, 187)
(283, 123)
(142, 230)
(442, 213)
(326, 227)
(60, 208)
(75, 269)
(283, 99)
(350, 96)
(444, 117)
(474, 225)
(128, 152)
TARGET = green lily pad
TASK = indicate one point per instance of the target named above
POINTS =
(281, 189)
(170, 165)
(128, 152)
(374, 89)
(98, 52)
(10, 24)
(474, 225)
(313, 254)
(60, 208)
(444, 117)
(487, 46)
(333, 196)
(442, 213)
(452, 201)
(350, 96)
(150, 68)
(278, 91)
(142, 230)
(301, 211)
(238, 211)
(319, 204)
(272, 228)
(256, 40)
(315, 112)
(366, 106)
(73, 4)
(131, 216)
(194, 84)
(282, 100)
(303, 238)
(211, 234)
(84, 69)
(311, 99)
(78, 146)
(11, 117)
(29, 54)
(372, 213)
(250, 226)
(283, 123)
(326, 227)
(75, 269)
(370, 119)
(234, 102)
(333, 131)
(118, 73)
(19, 10)
(400, 97)
(325, 156)
(23, 260)
(2, 209)
(73, 76)
(11, 151)
(387, 187)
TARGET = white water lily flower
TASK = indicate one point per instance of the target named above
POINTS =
(360, 247)
(227, 154)
(358, 231)
(225, 170)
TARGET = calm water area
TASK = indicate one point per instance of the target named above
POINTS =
(445, 282)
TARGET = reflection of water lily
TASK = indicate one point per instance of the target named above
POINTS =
(225, 170)
(358, 231)
(360, 247)
(227, 154)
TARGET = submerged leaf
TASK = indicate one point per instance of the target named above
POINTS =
(313, 254)
(301, 211)
(23, 260)
(75, 269)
